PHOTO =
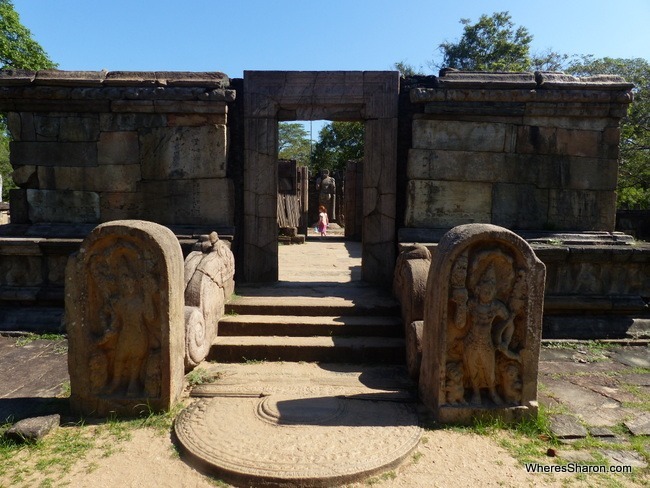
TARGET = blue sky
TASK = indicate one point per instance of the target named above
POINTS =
(236, 35)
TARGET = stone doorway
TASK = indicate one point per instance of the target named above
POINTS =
(273, 96)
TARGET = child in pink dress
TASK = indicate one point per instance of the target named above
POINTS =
(323, 222)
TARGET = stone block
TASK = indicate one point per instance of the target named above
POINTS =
(119, 122)
(205, 201)
(118, 148)
(482, 326)
(432, 203)
(18, 206)
(66, 128)
(25, 176)
(62, 206)
(53, 153)
(426, 164)
(459, 136)
(519, 206)
(120, 206)
(116, 178)
(554, 140)
(124, 319)
(582, 210)
(592, 174)
(585, 143)
(183, 152)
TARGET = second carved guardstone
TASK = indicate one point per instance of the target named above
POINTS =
(482, 326)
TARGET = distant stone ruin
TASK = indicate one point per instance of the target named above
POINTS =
(536, 153)
(482, 326)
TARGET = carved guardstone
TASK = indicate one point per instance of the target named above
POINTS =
(209, 283)
(124, 318)
(482, 326)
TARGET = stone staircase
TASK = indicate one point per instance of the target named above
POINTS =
(314, 322)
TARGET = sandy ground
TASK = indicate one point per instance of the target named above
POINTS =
(443, 459)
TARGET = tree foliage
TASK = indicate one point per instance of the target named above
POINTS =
(634, 165)
(17, 48)
(492, 44)
(17, 51)
(294, 143)
(339, 142)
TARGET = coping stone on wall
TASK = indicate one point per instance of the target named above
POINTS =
(599, 82)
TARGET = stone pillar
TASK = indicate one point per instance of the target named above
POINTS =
(482, 326)
(124, 318)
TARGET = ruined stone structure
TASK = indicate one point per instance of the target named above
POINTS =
(197, 152)
(124, 317)
(482, 326)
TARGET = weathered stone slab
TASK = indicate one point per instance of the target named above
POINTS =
(482, 326)
(183, 153)
(582, 209)
(53, 153)
(114, 177)
(624, 458)
(639, 425)
(432, 203)
(519, 206)
(425, 164)
(208, 201)
(33, 429)
(117, 148)
(634, 359)
(567, 427)
(62, 206)
(458, 136)
(124, 318)
(120, 206)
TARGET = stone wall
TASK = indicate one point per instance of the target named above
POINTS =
(523, 151)
(91, 147)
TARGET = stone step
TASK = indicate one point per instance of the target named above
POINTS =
(305, 325)
(386, 350)
(312, 306)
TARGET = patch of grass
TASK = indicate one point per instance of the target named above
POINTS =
(66, 390)
(389, 475)
(55, 455)
(416, 456)
(252, 361)
(201, 376)
(31, 337)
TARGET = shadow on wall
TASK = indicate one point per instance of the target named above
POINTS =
(634, 222)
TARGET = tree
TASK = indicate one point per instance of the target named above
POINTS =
(492, 44)
(294, 143)
(634, 166)
(17, 48)
(339, 142)
(17, 51)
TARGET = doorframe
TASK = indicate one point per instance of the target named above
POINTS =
(273, 96)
